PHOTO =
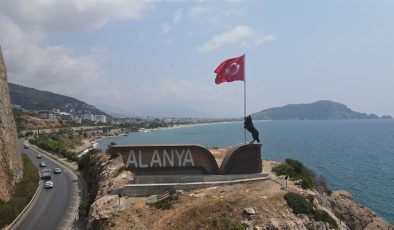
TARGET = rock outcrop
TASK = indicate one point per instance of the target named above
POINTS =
(105, 175)
(255, 205)
(354, 215)
(11, 165)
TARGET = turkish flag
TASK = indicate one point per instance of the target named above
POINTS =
(230, 70)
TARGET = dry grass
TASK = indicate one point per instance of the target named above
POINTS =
(207, 210)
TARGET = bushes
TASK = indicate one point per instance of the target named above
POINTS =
(166, 203)
(298, 203)
(283, 169)
(91, 182)
(22, 195)
(302, 205)
(296, 170)
(51, 143)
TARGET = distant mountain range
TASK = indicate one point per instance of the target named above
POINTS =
(319, 110)
(37, 100)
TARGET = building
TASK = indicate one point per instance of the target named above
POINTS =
(89, 117)
(100, 118)
(77, 119)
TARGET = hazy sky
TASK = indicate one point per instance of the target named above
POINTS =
(158, 57)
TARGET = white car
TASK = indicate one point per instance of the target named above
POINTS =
(57, 170)
(49, 184)
(43, 164)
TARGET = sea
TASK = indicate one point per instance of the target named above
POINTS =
(353, 155)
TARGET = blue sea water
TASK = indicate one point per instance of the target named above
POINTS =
(354, 155)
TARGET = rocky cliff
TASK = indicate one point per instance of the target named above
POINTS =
(252, 205)
(11, 165)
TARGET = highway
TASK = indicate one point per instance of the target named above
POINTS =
(52, 208)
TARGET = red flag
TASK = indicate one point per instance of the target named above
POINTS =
(230, 70)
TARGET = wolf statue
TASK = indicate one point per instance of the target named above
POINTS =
(248, 124)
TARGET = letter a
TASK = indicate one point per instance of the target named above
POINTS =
(155, 159)
(188, 158)
(131, 160)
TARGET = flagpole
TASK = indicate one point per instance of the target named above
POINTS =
(244, 95)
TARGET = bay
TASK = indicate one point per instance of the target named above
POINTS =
(354, 155)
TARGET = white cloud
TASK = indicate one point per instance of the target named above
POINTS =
(54, 68)
(177, 16)
(198, 11)
(239, 34)
(70, 15)
(165, 28)
(263, 39)
(26, 25)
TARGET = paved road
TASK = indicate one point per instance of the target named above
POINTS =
(52, 208)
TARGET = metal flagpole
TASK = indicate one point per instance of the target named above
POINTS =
(244, 95)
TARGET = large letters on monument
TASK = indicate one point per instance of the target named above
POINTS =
(173, 158)
(188, 159)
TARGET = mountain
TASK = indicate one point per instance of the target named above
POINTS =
(319, 110)
(36, 100)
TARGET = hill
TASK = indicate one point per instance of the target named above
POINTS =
(319, 110)
(35, 100)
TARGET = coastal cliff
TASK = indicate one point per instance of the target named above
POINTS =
(11, 165)
(251, 205)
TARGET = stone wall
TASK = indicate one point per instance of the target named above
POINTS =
(11, 165)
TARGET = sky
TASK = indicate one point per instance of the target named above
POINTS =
(157, 58)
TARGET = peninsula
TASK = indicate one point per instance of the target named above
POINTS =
(319, 110)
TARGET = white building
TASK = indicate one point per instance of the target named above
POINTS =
(77, 119)
(89, 117)
(100, 118)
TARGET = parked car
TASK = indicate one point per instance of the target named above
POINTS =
(57, 170)
(43, 164)
(39, 156)
(49, 184)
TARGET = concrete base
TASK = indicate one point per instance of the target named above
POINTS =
(144, 185)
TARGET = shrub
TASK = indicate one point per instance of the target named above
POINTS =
(51, 143)
(283, 169)
(296, 170)
(302, 205)
(166, 203)
(307, 182)
(321, 215)
(298, 203)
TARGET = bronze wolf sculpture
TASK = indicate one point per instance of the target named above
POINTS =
(248, 124)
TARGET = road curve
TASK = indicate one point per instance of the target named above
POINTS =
(52, 208)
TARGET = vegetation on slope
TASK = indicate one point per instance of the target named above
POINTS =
(58, 143)
(296, 170)
(83, 165)
(22, 195)
(302, 205)
(33, 99)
